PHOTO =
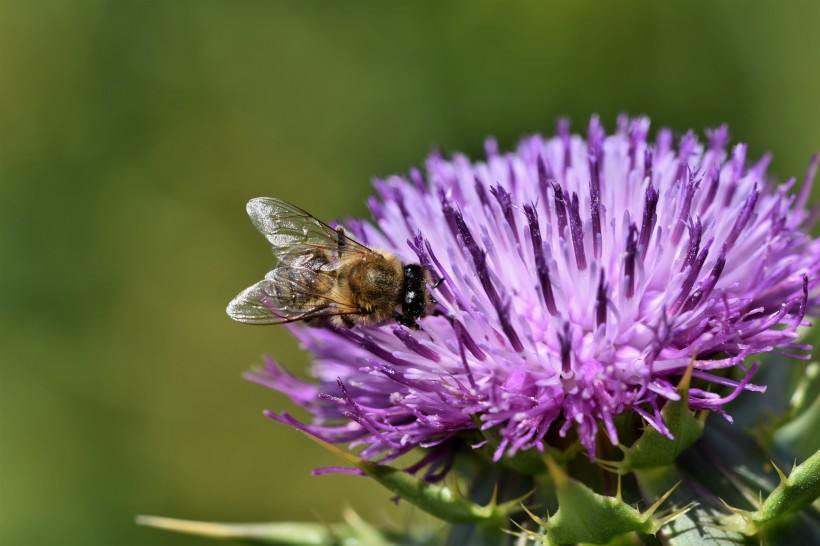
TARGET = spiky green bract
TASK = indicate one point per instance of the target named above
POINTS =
(354, 532)
(798, 490)
(446, 502)
(653, 449)
(586, 516)
(688, 529)
(728, 468)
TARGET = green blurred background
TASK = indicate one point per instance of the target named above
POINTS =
(133, 133)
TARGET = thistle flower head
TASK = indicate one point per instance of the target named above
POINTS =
(581, 276)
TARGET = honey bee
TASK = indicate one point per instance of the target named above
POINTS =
(323, 276)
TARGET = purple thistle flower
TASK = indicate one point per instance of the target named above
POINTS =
(581, 277)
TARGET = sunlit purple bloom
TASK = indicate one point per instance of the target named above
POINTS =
(581, 277)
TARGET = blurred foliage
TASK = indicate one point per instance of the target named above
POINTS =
(132, 134)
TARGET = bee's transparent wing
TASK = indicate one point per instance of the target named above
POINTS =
(309, 252)
(288, 294)
(289, 229)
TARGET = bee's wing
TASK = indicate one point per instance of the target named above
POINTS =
(290, 230)
(288, 294)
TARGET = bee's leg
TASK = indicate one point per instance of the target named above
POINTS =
(340, 239)
(316, 322)
(405, 321)
(347, 321)
(441, 312)
(433, 286)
